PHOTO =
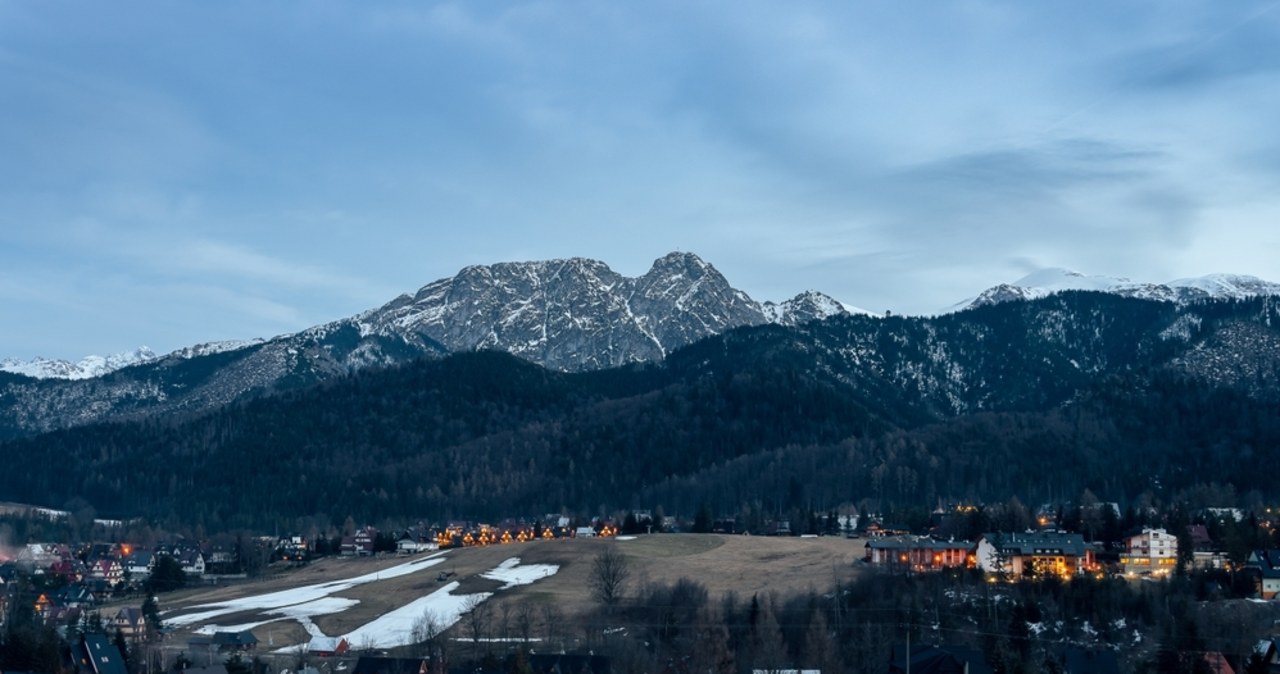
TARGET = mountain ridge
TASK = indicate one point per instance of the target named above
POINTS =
(1050, 280)
(903, 407)
(567, 314)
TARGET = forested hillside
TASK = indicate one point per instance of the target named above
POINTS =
(1038, 399)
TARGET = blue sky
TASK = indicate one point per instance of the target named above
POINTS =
(174, 173)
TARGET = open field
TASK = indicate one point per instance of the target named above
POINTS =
(338, 597)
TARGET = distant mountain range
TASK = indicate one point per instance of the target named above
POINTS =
(88, 367)
(578, 314)
(1039, 399)
(569, 315)
(1048, 281)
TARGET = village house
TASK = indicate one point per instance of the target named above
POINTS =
(1265, 567)
(221, 559)
(192, 561)
(95, 654)
(880, 530)
(918, 553)
(70, 570)
(293, 549)
(77, 596)
(1035, 553)
(327, 647)
(231, 642)
(130, 623)
(1205, 554)
(359, 544)
(408, 545)
(139, 564)
(107, 570)
(1153, 552)
(100, 551)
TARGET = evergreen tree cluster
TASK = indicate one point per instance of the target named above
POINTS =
(1035, 399)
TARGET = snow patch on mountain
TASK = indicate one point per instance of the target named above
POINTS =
(87, 368)
(1052, 280)
(1234, 286)
(810, 305)
(212, 348)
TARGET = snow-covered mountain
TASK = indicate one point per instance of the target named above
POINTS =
(88, 367)
(571, 314)
(1055, 279)
(578, 314)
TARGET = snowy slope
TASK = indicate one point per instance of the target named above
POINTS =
(88, 367)
(1045, 282)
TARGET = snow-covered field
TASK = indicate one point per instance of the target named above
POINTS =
(394, 628)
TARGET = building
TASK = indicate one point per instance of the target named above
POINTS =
(918, 553)
(361, 543)
(139, 564)
(192, 562)
(1035, 553)
(108, 570)
(1153, 552)
(130, 623)
(96, 654)
(1265, 566)
(327, 647)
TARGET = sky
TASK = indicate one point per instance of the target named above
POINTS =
(173, 173)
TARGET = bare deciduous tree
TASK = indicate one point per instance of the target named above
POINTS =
(477, 616)
(428, 635)
(524, 621)
(609, 573)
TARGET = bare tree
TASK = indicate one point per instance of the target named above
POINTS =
(551, 621)
(524, 622)
(428, 635)
(478, 614)
(609, 573)
(504, 621)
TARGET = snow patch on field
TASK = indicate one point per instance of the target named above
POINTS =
(210, 630)
(308, 599)
(511, 573)
(396, 627)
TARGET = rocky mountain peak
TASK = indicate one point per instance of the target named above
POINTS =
(570, 314)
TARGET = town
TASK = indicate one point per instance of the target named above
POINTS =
(108, 597)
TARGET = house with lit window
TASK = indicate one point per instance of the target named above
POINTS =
(107, 570)
(1153, 552)
(1036, 553)
(918, 553)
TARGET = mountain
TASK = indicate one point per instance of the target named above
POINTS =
(88, 367)
(1054, 279)
(1038, 399)
(570, 315)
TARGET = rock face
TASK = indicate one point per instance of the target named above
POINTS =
(572, 315)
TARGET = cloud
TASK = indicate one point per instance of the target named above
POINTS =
(1051, 194)
(237, 261)
(1206, 56)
